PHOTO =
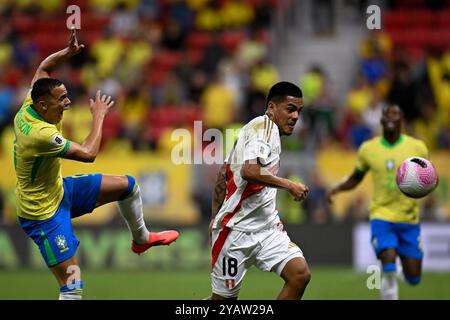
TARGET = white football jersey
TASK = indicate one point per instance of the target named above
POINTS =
(247, 206)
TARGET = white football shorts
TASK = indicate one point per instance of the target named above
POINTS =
(234, 252)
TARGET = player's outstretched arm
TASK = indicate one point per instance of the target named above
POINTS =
(253, 172)
(88, 150)
(53, 61)
(348, 183)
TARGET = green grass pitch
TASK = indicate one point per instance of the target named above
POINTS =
(326, 283)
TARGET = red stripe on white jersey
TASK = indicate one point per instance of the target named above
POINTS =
(250, 189)
(231, 185)
(218, 245)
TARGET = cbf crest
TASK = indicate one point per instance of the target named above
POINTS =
(61, 242)
(390, 164)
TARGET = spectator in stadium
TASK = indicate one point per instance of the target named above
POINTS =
(237, 14)
(134, 106)
(320, 110)
(218, 104)
(316, 206)
(263, 75)
(107, 52)
(173, 36)
(291, 212)
(371, 115)
(426, 127)
(124, 21)
(323, 17)
(404, 92)
(6, 103)
(208, 17)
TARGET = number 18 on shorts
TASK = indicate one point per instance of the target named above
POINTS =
(234, 252)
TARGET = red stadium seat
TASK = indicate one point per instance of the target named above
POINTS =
(191, 114)
(401, 19)
(443, 19)
(88, 37)
(230, 40)
(166, 59)
(49, 42)
(413, 38)
(94, 23)
(157, 76)
(416, 53)
(22, 23)
(198, 40)
(195, 55)
(263, 36)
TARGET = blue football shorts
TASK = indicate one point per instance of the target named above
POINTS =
(403, 237)
(54, 236)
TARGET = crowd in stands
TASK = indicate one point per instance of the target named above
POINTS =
(170, 62)
(165, 62)
(407, 63)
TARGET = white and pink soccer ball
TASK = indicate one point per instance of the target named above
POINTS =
(416, 177)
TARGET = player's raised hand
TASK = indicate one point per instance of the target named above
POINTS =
(298, 190)
(102, 104)
(73, 45)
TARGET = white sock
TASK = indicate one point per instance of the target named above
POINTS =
(389, 287)
(400, 274)
(131, 210)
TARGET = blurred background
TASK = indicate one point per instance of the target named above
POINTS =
(168, 63)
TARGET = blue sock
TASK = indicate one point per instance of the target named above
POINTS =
(73, 291)
(131, 184)
(389, 267)
(413, 280)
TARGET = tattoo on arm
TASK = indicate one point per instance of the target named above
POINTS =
(219, 191)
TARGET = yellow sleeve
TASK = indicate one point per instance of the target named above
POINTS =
(51, 143)
(423, 150)
(362, 164)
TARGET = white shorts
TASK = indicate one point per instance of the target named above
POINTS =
(234, 252)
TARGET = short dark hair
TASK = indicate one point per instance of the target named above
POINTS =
(390, 104)
(281, 90)
(43, 86)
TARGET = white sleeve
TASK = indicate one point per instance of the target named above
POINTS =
(256, 146)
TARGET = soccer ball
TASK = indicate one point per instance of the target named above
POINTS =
(416, 177)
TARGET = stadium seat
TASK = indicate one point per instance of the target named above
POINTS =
(157, 76)
(166, 59)
(230, 40)
(443, 19)
(195, 55)
(402, 19)
(22, 23)
(198, 40)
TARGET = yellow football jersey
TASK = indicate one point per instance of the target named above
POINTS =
(383, 159)
(37, 148)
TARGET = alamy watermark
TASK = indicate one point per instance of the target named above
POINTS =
(74, 20)
(74, 280)
(373, 282)
(190, 146)
(374, 19)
